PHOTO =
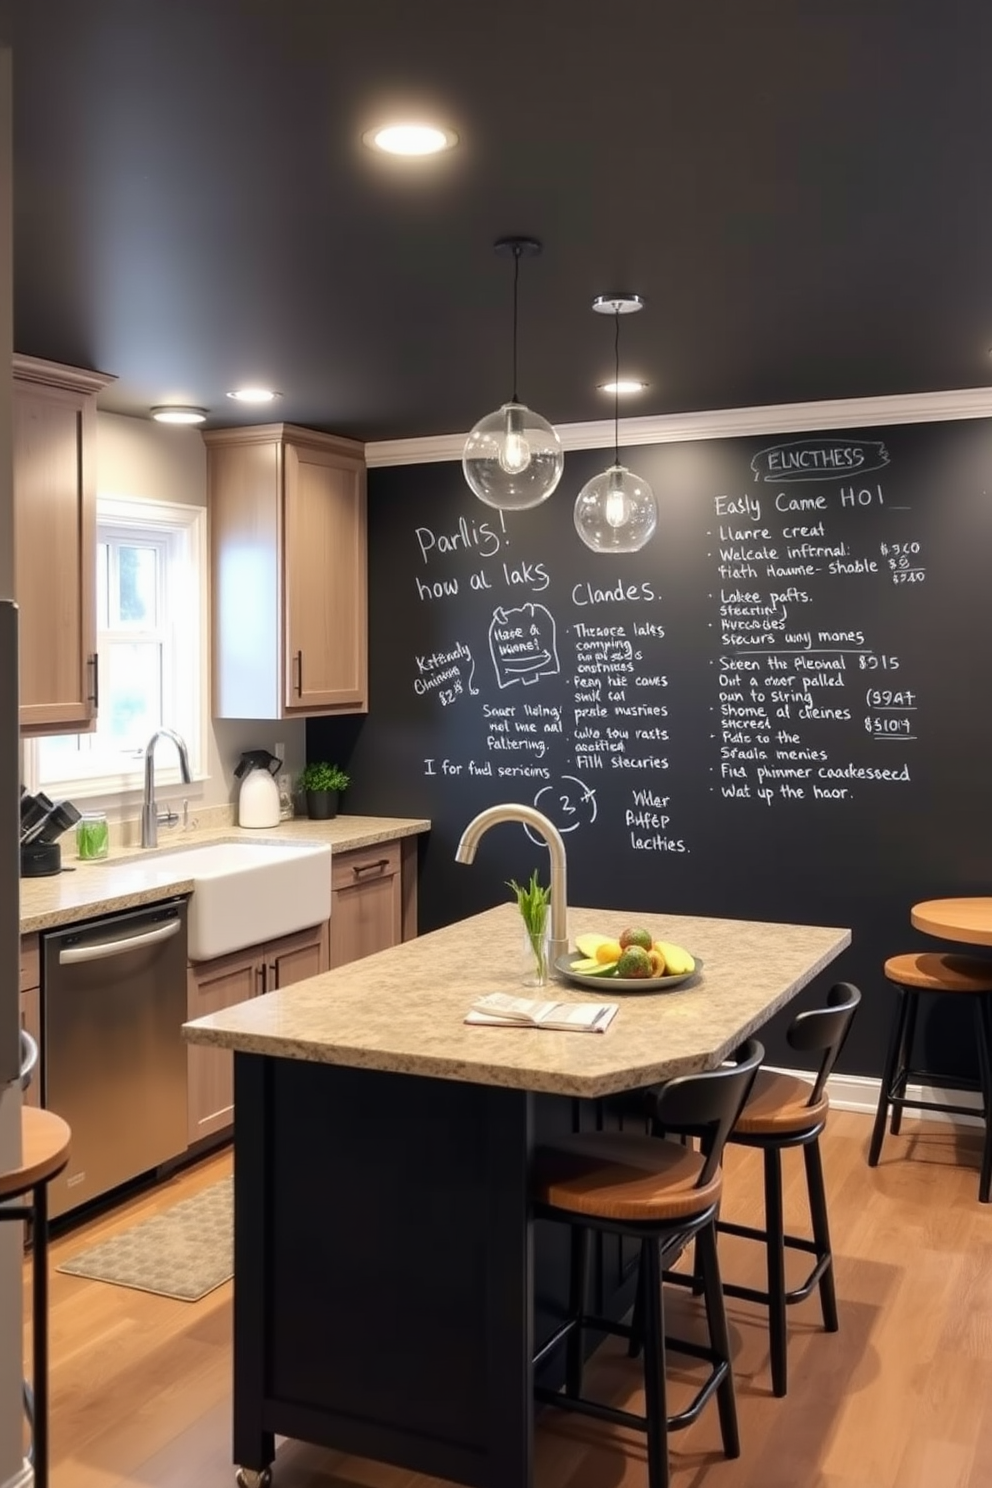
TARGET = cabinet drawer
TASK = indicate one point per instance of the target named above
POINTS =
(365, 865)
(30, 962)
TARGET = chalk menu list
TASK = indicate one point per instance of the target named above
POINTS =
(775, 710)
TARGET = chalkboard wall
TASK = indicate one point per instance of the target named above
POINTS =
(781, 708)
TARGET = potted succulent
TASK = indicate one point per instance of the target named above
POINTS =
(321, 784)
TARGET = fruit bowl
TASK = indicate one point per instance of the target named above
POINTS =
(606, 984)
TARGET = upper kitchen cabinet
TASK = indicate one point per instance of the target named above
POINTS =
(288, 564)
(54, 473)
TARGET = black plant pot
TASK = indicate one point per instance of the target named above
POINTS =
(322, 805)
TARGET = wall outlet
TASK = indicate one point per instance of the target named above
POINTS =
(280, 751)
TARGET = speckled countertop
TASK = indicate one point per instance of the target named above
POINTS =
(131, 876)
(403, 1009)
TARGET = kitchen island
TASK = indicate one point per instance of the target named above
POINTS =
(387, 1278)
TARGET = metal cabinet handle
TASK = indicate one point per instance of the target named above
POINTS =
(299, 674)
(274, 968)
(74, 955)
(260, 978)
(376, 867)
(94, 697)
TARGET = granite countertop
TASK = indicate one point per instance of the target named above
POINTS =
(403, 1009)
(132, 876)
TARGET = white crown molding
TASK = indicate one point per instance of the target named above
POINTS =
(720, 423)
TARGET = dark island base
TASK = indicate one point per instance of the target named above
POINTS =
(385, 1261)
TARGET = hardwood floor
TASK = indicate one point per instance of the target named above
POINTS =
(901, 1397)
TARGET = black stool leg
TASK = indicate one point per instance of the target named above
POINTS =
(775, 1248)
(636, 1341)
(983, 1018)
(912, 999)
(821, 1232)
(39, 1245)
(575, 1347)
(716, 1317)
(655, 1402)
(888, 1077)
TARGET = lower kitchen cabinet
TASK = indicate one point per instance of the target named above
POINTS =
(30, 985)
(367, 904)
(213, 985)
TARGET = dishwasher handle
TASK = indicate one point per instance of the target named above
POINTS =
(74, 955)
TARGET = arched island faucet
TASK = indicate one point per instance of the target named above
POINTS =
(530, 817)
(149, 811)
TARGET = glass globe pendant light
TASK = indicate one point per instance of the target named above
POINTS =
(513, 458)
(615, 512)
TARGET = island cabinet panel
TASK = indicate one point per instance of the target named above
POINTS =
(54, 486)
(367, 902)
(288, 565)
(30, 1007)
(222, 983)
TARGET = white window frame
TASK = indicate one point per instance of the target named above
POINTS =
(189, 616)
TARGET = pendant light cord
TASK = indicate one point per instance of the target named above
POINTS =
(516, 280)
(616, 387)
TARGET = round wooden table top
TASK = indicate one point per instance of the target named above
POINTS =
(45, 1141)
(968, 920)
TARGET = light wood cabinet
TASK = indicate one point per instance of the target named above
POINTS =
(30, 991)
(223, 982)
(288, 565)
(54, 484)
(366, 901)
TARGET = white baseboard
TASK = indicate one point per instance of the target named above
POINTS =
(860, 1093)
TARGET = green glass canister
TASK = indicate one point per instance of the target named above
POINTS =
(92, 836)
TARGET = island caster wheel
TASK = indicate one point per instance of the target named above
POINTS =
(247, 1477)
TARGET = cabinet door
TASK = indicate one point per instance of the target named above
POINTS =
(293, 958)
(211, 986)
(54, 557)
(324, 561)
(366, 902)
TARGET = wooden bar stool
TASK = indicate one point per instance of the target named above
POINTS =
(44, 1153)
(944, 975)
(784, 1111)
(663, 1194)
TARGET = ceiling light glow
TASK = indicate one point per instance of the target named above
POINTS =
(176, 413)
(625, 385)
(411, 139)
(252, 395)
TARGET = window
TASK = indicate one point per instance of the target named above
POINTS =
(150, 588)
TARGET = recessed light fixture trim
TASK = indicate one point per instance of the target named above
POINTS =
(624, 385)
(178, 413)
(253, 395)
(411, 139)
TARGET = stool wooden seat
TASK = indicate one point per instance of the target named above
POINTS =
(943, 975)
(45, 1140)
(785, 1111)
(932, 971)
(662, 1194)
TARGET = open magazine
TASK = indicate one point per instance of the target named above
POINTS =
(498, 1009)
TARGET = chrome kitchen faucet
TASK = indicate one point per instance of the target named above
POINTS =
(530, 817)
(149, 811)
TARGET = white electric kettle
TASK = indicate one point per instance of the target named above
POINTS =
(258, 799)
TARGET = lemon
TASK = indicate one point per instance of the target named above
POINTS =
(608, 950)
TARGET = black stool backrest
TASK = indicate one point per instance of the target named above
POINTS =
(708, 1104)
(825, 1029)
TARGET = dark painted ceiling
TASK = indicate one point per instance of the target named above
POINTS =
(801, 190)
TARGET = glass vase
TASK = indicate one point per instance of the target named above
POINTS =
(534, 955)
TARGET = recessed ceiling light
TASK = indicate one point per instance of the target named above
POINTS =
(253, 395)
(177, 413)
(625, 385)
(411, 139)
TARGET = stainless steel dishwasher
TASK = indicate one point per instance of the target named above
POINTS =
(114, 1060)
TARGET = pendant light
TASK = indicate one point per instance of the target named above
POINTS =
(615, 512)
(513, 458)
